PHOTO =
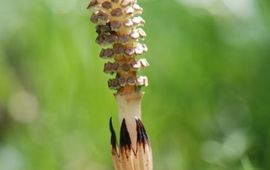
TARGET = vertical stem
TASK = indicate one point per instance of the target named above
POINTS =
(130, 108)
(118, 25)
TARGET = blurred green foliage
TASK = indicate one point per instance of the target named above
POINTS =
(207, 106)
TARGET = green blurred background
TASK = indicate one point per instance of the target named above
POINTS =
(207, 106)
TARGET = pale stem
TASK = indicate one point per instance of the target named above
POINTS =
(130, 108)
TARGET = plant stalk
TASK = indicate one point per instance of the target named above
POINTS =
(118, 25)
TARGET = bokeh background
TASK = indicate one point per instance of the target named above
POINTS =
(207, 106)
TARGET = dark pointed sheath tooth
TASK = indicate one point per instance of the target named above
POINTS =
(143, 130)
(113, 136)
(142, 137)
(125, 141)
(139, 132)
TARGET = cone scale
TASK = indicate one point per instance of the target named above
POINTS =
(120, 34)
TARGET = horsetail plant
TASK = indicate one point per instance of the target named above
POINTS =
(118, 26)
